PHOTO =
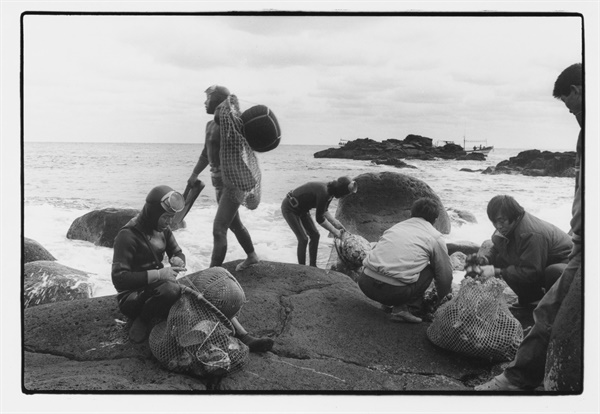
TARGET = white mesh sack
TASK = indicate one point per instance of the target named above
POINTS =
(239, 165)
(197, 339)
(477, 322)
(351, 249)
(219, 287)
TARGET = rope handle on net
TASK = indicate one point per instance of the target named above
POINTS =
(224, 319)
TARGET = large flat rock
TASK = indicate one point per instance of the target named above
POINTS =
(328, 337)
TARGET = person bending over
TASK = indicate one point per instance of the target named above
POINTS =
(234, 173)
(146, 289)
(528, 253)
(296, 208)
(405, 260)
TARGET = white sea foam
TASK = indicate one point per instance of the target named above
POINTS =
(66, 181)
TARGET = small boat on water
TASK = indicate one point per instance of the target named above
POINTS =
(480, 150)
(477, 149)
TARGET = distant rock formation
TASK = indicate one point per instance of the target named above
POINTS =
(412, 147)
(538, 163)
(395, 162)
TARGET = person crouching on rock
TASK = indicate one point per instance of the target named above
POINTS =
(402, 264)
(528, 253)
(296, 208)
(146, 288)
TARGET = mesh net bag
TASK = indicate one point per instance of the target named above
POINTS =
(477, 322)
(219, 287)
(351, 249)
(197, 339)
(239, 165)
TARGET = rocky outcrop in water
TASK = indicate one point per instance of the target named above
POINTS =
(538, 163)
(101, 226)
(33, 251)
(412, 147)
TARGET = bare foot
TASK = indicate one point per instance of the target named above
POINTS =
(251, 260)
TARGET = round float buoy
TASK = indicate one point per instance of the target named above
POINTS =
(261, 128)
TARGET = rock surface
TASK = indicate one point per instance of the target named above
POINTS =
(412, 147)
(328, 337)
(537, 163)
(101, 226)
(49, 281)
(384, 199)
(33, 251)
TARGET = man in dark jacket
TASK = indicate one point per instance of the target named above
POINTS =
(527, 370)
(528, 253)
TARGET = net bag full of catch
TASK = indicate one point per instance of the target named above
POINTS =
(197, 338)
(261, 128)
(352, 249)
(477, 322)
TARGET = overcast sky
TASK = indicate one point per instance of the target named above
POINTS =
(142, 78)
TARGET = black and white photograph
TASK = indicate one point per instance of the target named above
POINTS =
(299, 207)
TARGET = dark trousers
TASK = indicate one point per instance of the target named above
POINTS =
(528, 367)
(530, 291)
(390, 295)
(152, 301)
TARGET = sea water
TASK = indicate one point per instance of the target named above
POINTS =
(64, 181)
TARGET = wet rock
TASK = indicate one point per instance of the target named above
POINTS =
(537, 163)
(101, 226)
(395, 162)
(384, 199)
(49, 282)
(34, 251)
(465, 247)
(328, 337)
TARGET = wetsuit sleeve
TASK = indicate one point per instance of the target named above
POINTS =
(532, 259)
(173, 248)
(442, 267)
(124, 252)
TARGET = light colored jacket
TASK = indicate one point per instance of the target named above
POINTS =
(404, 250)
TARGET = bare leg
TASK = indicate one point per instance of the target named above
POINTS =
(228, 217)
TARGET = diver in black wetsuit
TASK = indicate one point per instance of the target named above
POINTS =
(146, 288)
(296, 208)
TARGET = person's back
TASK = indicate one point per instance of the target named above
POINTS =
(403, 250)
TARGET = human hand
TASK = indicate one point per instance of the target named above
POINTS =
(176, 261)
(169, 273)
(487, 272)
(192, 179)
(575, 250)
